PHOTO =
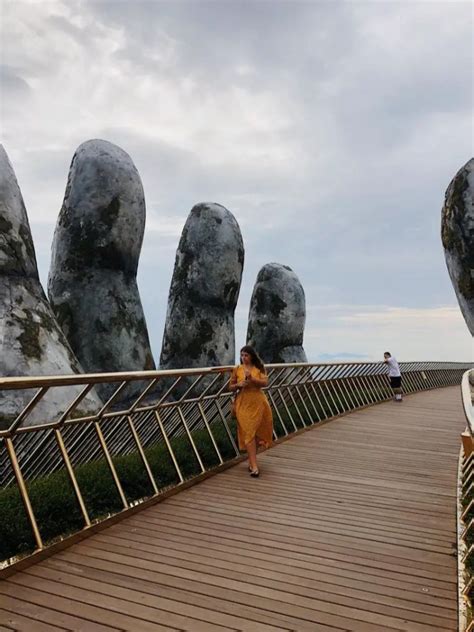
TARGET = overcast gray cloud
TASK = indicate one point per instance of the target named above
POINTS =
(330, 129)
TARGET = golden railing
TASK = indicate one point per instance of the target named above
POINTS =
(157, 432)
(466, 510)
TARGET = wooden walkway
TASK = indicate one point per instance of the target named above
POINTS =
(350, 527)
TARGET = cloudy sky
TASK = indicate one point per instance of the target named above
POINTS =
(330, 129)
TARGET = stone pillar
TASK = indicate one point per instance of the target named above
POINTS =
(199, 329)
(31, 341)
(92, 282)
(457, 234)
(277, 315)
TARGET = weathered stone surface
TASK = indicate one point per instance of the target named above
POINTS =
(199, 329)
(277, 315)
(457, 234)
(92, 283)
(31, 341)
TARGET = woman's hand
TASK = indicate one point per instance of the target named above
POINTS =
(259, 383)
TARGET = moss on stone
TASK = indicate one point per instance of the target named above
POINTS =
(5, 225)
(33, 323)
(268, 302)
(86, 249)
(109, 214)
(466, 284)
(453, 211)
(6, 421)
(455, 236)
(47, 321)
(64, 316)
(204, 334)
(450, 239)
(25, 235)
(198, 209)
(29, 339)
(183, 263)
(149, 362)
(12, 247)
(231, 290)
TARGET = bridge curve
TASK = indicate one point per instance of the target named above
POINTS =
(352, 526)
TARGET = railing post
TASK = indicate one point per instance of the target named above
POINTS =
(23, 492)
(111, 465)
(72, 477)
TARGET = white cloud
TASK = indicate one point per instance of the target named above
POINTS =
(437, 333)
(330, 130)
(165, 226)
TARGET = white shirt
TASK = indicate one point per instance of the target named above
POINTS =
(393, 368)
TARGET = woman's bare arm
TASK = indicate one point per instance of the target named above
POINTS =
(260, 382)
(233, 384)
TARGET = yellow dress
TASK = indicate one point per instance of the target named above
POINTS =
(254, 415)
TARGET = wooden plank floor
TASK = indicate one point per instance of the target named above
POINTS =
(350, 527)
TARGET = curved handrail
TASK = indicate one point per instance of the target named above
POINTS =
(11, 383)
(169, 409)
(467, 401)
(465, 514)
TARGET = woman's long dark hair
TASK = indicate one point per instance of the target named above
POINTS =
(256, 359)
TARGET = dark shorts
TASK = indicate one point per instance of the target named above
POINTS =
(396, 382)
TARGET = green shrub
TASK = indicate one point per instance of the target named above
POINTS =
(55, 505)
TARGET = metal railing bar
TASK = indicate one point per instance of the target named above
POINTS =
(38, 396)
(324, 406)
(216, 448)
(310, 399)
(227, 429)
(23, 492)
(111, 465)
(74, 404)
(290, 392)
(309, 416)
(140, 398)
(326, 383)
(371, 396)
(111, 400)
(341, 395)
(191, 440)
(8, 383)
(141, 451)
(349, 394)
(290, 416)
(190, 389)
(168, 446)
(72, 476)
(275, 409)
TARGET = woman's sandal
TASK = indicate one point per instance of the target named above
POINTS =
(254, 473)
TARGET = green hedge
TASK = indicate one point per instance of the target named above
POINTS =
(55, 505)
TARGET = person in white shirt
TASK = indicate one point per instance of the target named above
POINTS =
(394, 374)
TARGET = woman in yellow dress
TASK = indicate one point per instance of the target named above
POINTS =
(254, 415)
